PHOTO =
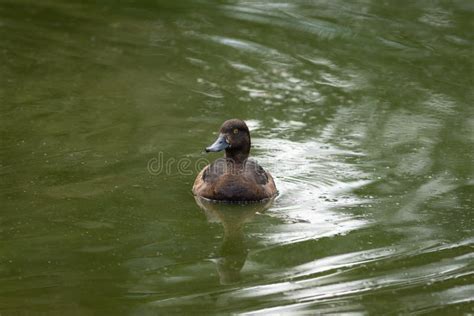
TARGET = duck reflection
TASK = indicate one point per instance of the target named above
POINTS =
(233, 252)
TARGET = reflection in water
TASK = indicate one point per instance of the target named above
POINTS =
(233, 251)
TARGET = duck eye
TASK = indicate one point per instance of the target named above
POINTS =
(236, 131)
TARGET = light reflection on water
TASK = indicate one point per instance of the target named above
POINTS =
(308, 201)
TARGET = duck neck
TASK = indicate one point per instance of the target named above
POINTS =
(237, 156)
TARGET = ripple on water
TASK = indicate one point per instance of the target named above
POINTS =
(313, 179)
(332, 280)
(437, 17)
(288, 17)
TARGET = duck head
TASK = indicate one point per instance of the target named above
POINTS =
(234, 138)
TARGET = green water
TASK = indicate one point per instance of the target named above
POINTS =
(362, 111)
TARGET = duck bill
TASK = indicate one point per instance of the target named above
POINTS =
(219, 145)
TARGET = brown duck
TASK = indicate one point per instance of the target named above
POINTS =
(234, 178)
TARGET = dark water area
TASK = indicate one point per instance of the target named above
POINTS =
(361, 110)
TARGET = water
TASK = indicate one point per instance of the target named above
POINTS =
(361, 110)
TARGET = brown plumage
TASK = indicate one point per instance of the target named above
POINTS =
(234, 177)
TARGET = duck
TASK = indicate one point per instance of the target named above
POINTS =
(235, 177)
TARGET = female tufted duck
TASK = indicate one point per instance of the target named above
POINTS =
(234, 178)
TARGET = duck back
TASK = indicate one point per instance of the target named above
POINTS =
(227, 180)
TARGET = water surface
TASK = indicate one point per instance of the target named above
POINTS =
(362, 111)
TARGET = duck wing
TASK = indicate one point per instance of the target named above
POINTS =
(255, 171)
